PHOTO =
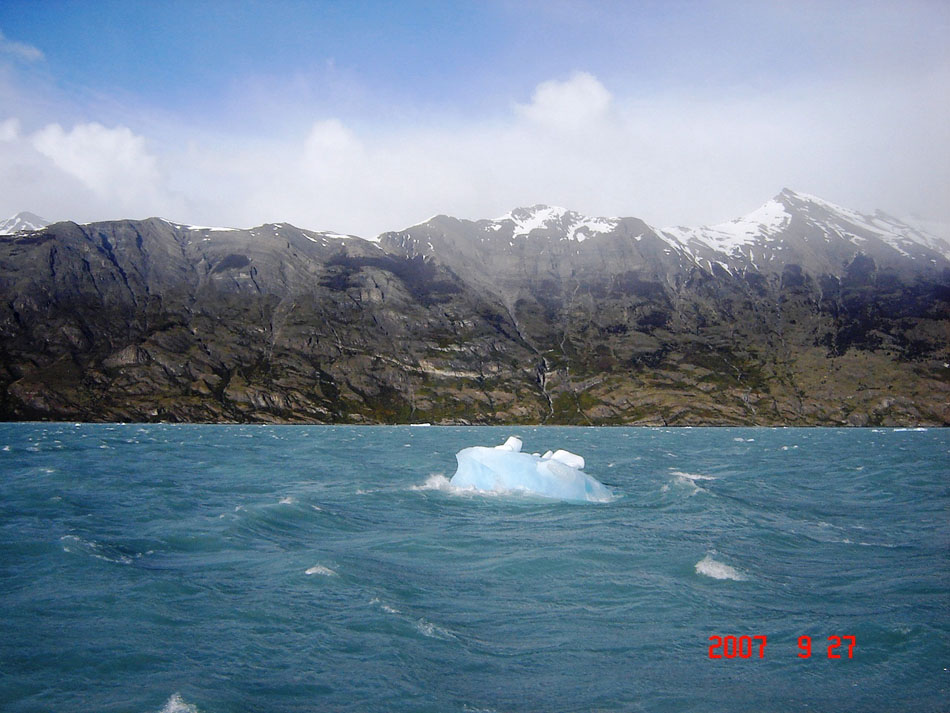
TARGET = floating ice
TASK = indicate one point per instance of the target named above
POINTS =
(505, 468)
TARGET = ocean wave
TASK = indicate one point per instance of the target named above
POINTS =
(692, 476)
(717, 570)
(437, 481)
(176, 704)
(106, 552)
(385, 607)
(688, 481)
(433, 631)
(321, 570)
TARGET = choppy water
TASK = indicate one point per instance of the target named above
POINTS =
(256, 568)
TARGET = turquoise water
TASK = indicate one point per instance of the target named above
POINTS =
(258, 568)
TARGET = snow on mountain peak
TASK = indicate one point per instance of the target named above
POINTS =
(768, 224)
(574, 226)
(764, 223)
(22, 221)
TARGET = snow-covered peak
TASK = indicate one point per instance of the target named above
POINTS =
(22, 221)
(855, 226)
(764, 223)
(568, 224)
(536, 215)
(768, 226)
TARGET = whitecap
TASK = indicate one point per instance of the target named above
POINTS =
(427, 628)
(717, 570)
(437, 481)
(107, 553)
(691, 476)
(385, 607)
(688, 480)
(176, 704)
(440, 482)
(287, 501)
(321, 570)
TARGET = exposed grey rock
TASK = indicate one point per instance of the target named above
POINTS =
(802, 312)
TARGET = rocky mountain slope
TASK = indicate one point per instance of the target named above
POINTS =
(800, 313)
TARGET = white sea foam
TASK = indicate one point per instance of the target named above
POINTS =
(176, 704)
(287, 501)
(321, 570)
(385, 607)
(437, 481)
(75, 544)
(427, 628)
(691, 476)
(688, 481)
(717, 570)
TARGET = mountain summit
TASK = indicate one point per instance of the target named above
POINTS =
(796, 228)
(801, 312)
(22, 221)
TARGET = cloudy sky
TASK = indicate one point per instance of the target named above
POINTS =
(367, 116)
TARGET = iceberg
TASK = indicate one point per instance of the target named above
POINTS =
(505, 468)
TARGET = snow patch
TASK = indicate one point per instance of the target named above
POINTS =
(573, 226)
(764, 223)
(21, 222)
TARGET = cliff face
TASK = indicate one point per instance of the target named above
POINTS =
(801, 313)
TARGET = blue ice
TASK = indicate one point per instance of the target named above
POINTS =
(505, 468)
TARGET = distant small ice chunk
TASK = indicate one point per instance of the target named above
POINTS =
(505, 468)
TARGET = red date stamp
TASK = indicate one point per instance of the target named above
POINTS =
(747, 647)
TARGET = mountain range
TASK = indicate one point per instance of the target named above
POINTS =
(800, 313)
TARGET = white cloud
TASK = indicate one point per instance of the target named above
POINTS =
(574, 103)
(89, 172)
(112, 163)
(19, 50)
(10, 129)
(674, 158)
